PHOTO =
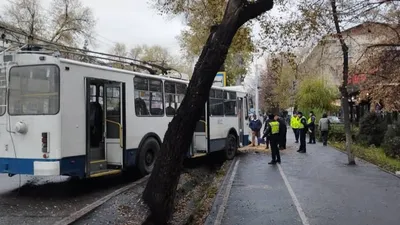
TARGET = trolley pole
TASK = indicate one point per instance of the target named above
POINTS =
(257, 87)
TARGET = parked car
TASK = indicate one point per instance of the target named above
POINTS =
(334, 119)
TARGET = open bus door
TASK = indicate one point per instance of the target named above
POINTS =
(200, 143)
(240, 113)
(105, 117)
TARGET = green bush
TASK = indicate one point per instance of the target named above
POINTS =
(392, 140)
(372, 130)
(337, 134)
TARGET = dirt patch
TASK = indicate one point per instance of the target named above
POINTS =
(256, 149)
(205, 195)
(196, 190)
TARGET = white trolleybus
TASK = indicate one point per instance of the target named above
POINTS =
(66, 117)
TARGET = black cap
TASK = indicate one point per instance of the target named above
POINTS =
(300, 113)
(271, 116)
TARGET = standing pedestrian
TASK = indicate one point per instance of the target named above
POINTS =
(282, 133)
(273, 132)
(265, 135)
(302, 132)
(294, 123)
(311, 127)
(255, 126)
(324, 125)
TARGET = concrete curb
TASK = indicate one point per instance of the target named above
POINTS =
(89, 208)
(218, 198)
(365, 161)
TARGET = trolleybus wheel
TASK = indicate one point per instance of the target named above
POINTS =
(147, 155)
(231, 147)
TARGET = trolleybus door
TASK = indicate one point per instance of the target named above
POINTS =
(241, 120)
(200, 136)
(113, 130)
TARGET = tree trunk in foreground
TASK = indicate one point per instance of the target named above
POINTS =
(343, 88)
(160, 191)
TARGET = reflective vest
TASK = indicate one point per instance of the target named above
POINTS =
(301, 125)
(309, 120)
(294, 122)
(274, 127)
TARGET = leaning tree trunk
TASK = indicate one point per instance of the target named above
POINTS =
(160, 191)
(343, 88)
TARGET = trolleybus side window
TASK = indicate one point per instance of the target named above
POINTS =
(148, 95)
(230, 103)
(3, 92)
(93, 93)
(170, 104)
(216, 102)
(34, 90)
(180, 91)
(174, 93)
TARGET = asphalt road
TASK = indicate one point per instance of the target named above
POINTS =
(307, 189)
(45, 200)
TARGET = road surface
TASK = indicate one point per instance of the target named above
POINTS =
(45, 200)
(306, 189)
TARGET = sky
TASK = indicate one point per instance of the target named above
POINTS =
(133, 22)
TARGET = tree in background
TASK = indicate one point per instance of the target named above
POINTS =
(315, 94)
(66, 22)
(160, 191)
(203, 15)
(155, 54)
(307, 21)
(380, 69)
(277, 90)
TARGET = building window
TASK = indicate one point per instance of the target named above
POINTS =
(174, 93)
(230, 103)
(148, 97)
(216, 102)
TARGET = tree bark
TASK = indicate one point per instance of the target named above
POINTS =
(343, 88)
(160, 191)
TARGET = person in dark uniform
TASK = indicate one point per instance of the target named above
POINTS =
(274, 136)
(302, 132)
(282, 133)
(311, 127)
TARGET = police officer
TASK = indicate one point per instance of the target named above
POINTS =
(302, 128)
(282, 133)
(274, 137)
(294, 121)
(311, 127)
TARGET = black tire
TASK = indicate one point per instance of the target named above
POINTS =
(231, 147)
(147, 155)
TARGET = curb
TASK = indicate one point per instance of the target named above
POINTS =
(89, 208)
(211, 217)
(365, 161)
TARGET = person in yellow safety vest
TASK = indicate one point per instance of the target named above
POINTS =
(294, 124)
(302, 128)
(311, 127)
(274, 134)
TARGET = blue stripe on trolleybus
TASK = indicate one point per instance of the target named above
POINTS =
(71, 166)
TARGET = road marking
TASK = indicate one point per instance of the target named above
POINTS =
(294, 198)
(221, 209)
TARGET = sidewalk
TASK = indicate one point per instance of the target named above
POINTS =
(315, 188)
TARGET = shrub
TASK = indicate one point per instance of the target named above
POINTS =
(337, 134)
(372, 130)
(392, 140)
